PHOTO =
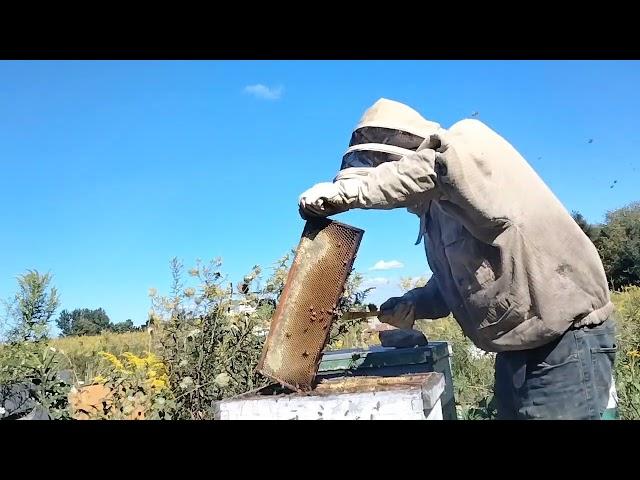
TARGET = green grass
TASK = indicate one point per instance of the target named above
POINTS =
(82, 353)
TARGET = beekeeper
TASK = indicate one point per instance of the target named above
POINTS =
(508, 261)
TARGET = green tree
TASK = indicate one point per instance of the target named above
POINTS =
(123, 327)
(83, 321)
(619, 246)
(33, 306)
(26, 359)
(592, 231)
(64, 322)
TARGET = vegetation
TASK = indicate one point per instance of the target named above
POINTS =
(25, 357)
(84, 321)
(618, 243)
(202, 344)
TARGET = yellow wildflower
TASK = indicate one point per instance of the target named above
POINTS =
(134, 360)
(111, 358)
(159, 384)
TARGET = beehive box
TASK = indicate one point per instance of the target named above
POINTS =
(406, 397)
(392, 362)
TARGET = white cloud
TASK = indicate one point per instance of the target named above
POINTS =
(390, 265)
(262, 91)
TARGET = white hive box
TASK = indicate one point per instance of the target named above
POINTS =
(406, 397)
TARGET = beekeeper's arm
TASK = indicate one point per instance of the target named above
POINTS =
(402, 183)
(409, 181)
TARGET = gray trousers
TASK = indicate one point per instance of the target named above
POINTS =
(568, 379)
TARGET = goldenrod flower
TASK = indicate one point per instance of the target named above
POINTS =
(134, 360)
(159, 384)
(111, 358)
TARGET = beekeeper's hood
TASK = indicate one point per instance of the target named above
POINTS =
(387, 131)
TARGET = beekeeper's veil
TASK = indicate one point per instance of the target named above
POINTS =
(387, 131)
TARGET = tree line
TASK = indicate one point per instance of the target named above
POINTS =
(84, 321)
(618, 242)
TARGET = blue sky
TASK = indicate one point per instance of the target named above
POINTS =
(111, 168)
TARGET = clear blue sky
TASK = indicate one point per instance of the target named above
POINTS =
(109, 169)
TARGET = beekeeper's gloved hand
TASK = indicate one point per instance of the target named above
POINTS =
(322, 200)
(399, 312)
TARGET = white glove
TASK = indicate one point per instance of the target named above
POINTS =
(321, 200)
(399, 312)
